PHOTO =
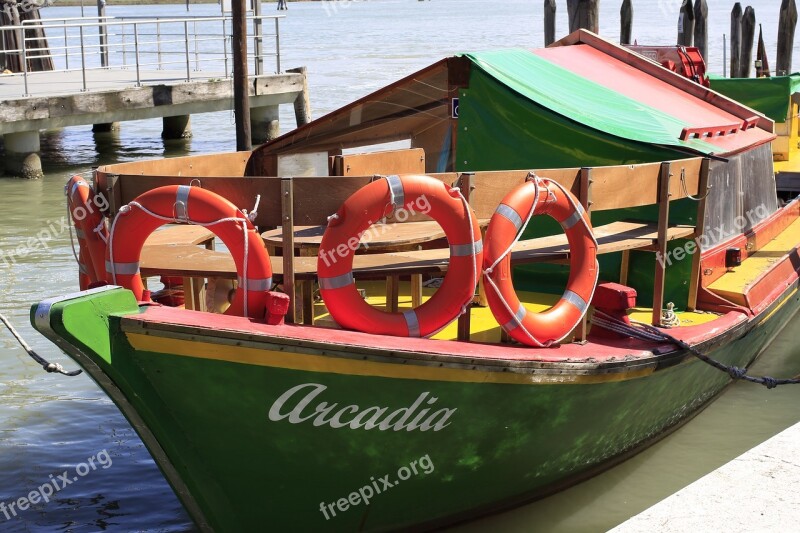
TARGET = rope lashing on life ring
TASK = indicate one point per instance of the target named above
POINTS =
(191, 205)
(539, 196)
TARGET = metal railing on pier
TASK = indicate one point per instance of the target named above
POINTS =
(190, 48)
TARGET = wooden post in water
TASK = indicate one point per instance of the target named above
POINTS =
(787, 21)
(701, 27)
(686, 24)
(736, 39)
(549, 21)
(625, 22)
(748, 35)
(584, 14)
(241, 92)
(762, 62)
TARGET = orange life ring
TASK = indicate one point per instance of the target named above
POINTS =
(90, 229)
(368, 205)
(539, 197)
(191, 205)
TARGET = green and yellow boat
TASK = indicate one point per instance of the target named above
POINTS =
(285, 417)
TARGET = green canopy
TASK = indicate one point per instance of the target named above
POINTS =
(521, 110)
(770, 96)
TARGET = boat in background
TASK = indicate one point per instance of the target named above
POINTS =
(338, 412)
(777, 97)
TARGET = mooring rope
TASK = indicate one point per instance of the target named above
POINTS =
(47, 366)
(649, 333)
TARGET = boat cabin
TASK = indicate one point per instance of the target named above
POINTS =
(675, 179)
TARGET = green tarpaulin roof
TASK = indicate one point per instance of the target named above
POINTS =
(573, 96)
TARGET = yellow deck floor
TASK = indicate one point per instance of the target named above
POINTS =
(733, 284)
(483, 326)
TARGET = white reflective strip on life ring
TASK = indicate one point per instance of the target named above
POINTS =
(182, 203)
(576, 300)
(124, 269)
(336, 282)
(79, 183)
(412, 322)
(462, 250)
(255, 284)
(574, 218)
(514, 323)
(509, 213)
(397, 191)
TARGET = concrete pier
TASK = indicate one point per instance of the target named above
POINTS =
(22, 155)
(177, 127)
(757, 491)
(264, 124)
(61, 102)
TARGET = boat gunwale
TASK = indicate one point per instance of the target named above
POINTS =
(631, 357)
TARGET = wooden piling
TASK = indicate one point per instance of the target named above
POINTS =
(762, 62)
(549, 22)
(686, 24)
(736, 39)
(584, 14)
(701, 27)
(625, 22)
(748, 35)
(787, 22)
(241, 93)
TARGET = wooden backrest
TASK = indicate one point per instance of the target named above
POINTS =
(408, 161)
(315, 198)
(636, 185)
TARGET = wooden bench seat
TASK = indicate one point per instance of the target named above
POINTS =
(192, 261)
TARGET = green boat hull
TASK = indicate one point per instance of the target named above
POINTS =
(252, 430)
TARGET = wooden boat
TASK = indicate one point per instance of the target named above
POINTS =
(307, 425)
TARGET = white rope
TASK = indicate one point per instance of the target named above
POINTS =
(99, 230)
(126, 208)
(69, 227)
(244, 269)
(487, 272)
(594, 240)
(254, 213)
(668, 317)
(536, 183)
(122, 210)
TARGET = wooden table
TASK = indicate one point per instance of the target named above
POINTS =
(379, 238)
(163, 241)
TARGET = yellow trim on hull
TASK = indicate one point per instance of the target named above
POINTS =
(358, 367)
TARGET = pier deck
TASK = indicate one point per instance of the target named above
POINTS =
(114, 96)
(110, 70)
